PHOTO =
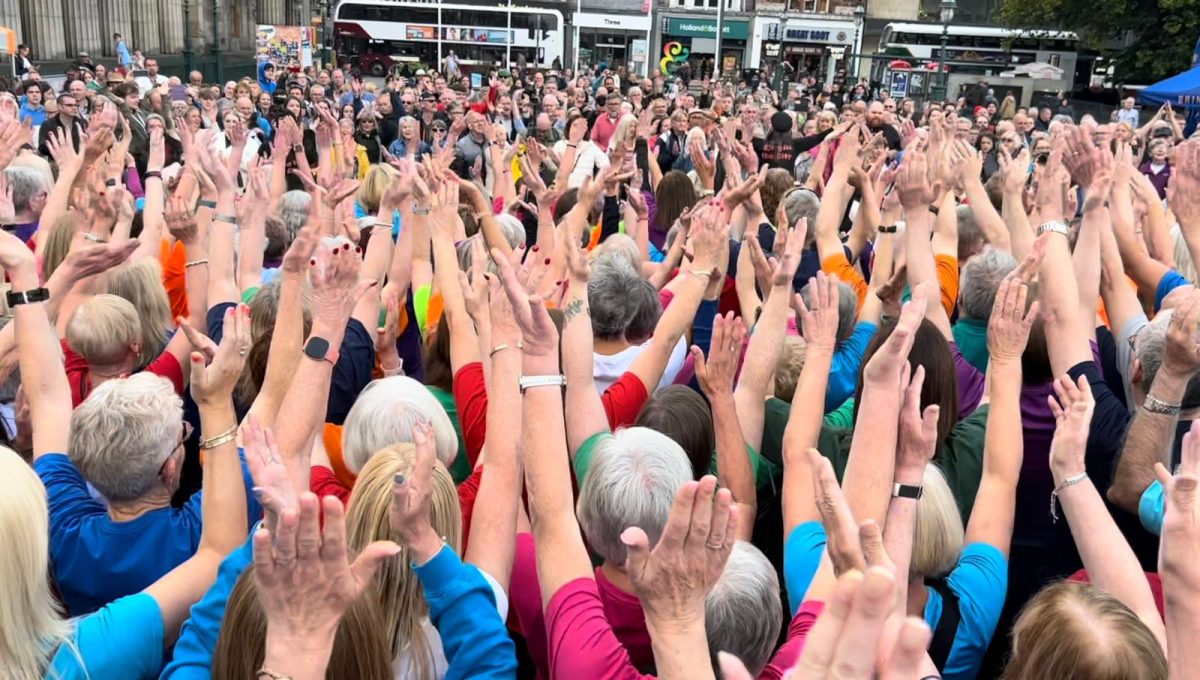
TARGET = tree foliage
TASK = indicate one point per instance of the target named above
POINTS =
(1150, 39)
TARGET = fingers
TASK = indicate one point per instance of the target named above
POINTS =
(675, 533)
(637, 545)
(864, 626)
(333, 541)
(308, 535)
(819, 646)
(732, 668)
(909, 653)
(369, 560)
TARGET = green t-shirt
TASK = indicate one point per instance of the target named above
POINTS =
(960, 457)
(421, 306)
(775, 423)
(971, 337)
(460, 469)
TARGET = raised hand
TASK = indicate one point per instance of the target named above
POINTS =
(181, 222)
(306, 581)
(1181, 520)
(1072, 412)
(912, 183)
(411, 493)
(819, 323)
(841, 531)
(538, 332)
(885, 365)
(716, 375)
(673, 579)
(1009, 325)
(918, 432)
(1183, 190)
(1182, 354)
(335, 284)
(272, 485)
(213, 383)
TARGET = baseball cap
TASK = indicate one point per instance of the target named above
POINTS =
(438, 125)
(428, 97)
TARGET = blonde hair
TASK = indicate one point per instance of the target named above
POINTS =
(30, 616)
(1183, 256)
(58, 243)
(787, 371)
(370, 192)
(624, 124)
(140, 282)
(1075, 631)
(403, 604)
(938, 539)
(102, 329)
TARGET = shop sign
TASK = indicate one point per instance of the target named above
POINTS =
(704, 28)
(771, 50)
(639, 49)
(806, 35)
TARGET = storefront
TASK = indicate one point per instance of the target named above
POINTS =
(694, 42)
(609, 38)
(812, 46)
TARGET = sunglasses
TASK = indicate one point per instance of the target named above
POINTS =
(187, 434)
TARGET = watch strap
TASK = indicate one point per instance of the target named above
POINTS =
(907, 491)
(207, 203)
(1159, 407)
(530, 381)
(15, 298)
(1054, 226)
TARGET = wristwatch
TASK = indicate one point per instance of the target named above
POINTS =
(318, 349)
(907, 491)
(1054, 226)
(35, 295)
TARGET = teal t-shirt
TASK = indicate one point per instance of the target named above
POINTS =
(460, 469)
(971, 337)
(123, 639)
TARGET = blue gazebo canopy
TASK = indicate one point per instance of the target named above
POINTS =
(1181, 91)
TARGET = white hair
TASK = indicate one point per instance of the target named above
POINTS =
(743, 613)
(121, 435)
(513, 229)
(385, 413)
(632, 482)
(981, 277)
(29, 614)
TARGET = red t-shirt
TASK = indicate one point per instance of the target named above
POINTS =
(323, 482)
(788, 655)
(623, 400)
(81, 384)
(471, 402)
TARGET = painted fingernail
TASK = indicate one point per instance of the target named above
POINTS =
(258, 493)
(547, 260)
(400, 478)
(313, 262)
(358, 250)
(345, 246)
(535, 249)
(522, 247)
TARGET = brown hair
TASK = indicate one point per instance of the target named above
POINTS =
(931, 351)
(674, 194)
(777, 183)
(1075, 631)
(438, 371)
(359, 647)
(682, 414)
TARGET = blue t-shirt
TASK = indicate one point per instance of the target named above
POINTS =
(122, 640)
(980, 580)
(1151, 508)
(1169, 282)
(96, 560)
(801, 557)
(843, 371)
(36, 115)
(123, 56)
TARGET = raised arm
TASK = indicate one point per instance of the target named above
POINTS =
(585, 414)
(766, 342)
(1015, 172)
(819, 325)
(494, 520)
(968, 167)
(464, 345)
(1111, 564)
(252, 234)
(223, 507)
(992, 515)
(917, 197)
(1152, 431)
(287, 338)
(1183, 194)
(734, 470)
(152, 214)
(1178, 561)
(335, 290)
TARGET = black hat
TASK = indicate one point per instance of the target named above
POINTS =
(781, 122)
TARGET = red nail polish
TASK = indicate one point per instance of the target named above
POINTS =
(535, 249)
(358, 250)
(312, 262)
(547, 260)
(345, 246)
(522, 246)
(336, 251)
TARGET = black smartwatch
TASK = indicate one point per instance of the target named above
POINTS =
(36, 295)
(907, 491)
(318, 349)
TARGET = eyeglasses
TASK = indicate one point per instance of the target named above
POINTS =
(68, 106)
(187, 434)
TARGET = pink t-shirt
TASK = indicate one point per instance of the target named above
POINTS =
(787, 655)
(582, 643)
(620, 612)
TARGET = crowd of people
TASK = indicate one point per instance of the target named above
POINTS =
(591, 375)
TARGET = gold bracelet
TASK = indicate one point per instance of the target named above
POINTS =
(496, 349)
(706, 275)
(223, 438)
(196, 263)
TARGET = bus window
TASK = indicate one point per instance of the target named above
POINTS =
(352, 12)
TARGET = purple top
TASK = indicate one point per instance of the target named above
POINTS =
(1159, 179)
(1032, 522)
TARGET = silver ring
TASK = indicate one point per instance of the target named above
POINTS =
(713, 547)
(243, 350)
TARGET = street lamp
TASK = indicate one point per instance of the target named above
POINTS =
(860, 14)
(946, 8)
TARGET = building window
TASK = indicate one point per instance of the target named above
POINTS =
(810, 5)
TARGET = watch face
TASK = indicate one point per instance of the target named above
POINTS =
(316, 348)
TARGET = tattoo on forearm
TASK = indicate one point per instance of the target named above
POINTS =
(573, 309)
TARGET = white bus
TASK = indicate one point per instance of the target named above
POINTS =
(378, 35)
(984, 50)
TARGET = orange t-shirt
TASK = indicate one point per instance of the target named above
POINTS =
(173, 259)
